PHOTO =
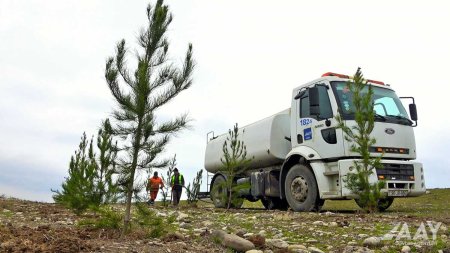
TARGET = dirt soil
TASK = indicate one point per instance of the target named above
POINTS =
(42, 227)
(27, 226)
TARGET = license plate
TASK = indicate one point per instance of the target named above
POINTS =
(397, 193)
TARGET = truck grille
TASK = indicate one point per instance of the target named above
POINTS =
(397, 172)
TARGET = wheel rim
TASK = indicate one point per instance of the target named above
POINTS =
(218, 191)
(299, 189)
(217, 195)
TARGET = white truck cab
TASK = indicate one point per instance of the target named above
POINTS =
(301, 158)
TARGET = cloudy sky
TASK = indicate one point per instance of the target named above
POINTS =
(250, 55)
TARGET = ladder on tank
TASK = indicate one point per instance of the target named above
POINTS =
(209, 176)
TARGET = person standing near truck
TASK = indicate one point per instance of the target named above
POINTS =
(154, 184)
(177, 183)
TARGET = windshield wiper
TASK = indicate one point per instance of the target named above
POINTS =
(401, 117)
(376, 115)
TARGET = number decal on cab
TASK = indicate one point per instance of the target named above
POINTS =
(305, 122)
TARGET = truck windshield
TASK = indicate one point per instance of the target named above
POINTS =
(387, 105)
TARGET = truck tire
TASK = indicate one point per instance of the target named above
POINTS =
(382, 205)
(301, 190)
(385, 203)
(219, 192)
(237, 203)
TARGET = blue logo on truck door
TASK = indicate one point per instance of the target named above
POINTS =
(307, 133)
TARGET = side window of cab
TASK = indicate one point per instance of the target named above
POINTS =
(326, 111)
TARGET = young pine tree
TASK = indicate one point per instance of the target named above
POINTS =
(359, 135)
(78, 190)
(166, 192)
(193, 190)
(155, 81)
(90, 182)
(106, 186)
(234, 162)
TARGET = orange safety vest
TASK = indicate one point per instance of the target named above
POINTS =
(155, 183)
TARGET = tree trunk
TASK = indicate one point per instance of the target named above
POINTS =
(131, 183)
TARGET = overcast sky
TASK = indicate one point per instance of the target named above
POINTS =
(249, 54)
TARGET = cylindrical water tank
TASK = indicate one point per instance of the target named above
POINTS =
(265, 141)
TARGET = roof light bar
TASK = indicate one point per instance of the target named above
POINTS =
(348, 77)
(335, 74)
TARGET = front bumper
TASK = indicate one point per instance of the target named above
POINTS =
(403, 178)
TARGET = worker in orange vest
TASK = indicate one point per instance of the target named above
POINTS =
(154, 184)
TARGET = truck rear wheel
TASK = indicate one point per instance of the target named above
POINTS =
(300, 188)
(219, 192)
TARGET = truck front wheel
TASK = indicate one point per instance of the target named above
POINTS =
(382, 204)
(301, 189)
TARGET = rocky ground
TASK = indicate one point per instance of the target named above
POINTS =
(41, 227)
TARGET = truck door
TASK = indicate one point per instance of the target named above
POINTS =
(318, 131)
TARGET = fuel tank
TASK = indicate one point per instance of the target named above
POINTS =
(267, 143)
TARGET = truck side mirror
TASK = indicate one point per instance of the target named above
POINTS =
(314, 105)
(413, 111)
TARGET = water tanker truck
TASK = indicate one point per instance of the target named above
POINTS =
(300, 158)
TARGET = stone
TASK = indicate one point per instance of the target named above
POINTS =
(406, 249)
(254, 251)
(219, 234)
(278, 236)
(233, 241)
(185, 225)
(372, 242)
(357, 249)
(207, 223)
(299, 251)
(237, 243)
(200, 230)
(159, 214)
(183, 244)
(296, 247)
(311, 241)
(247, 235)
(182, 216)
(176, 235)
(258, 240)
(333, 224)
(318, 223)
(277, 243)
(314, 250)
(328, 213)
(241, 232)
(384, 249)
(183, 230)
(352, 243)
(362, 236)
